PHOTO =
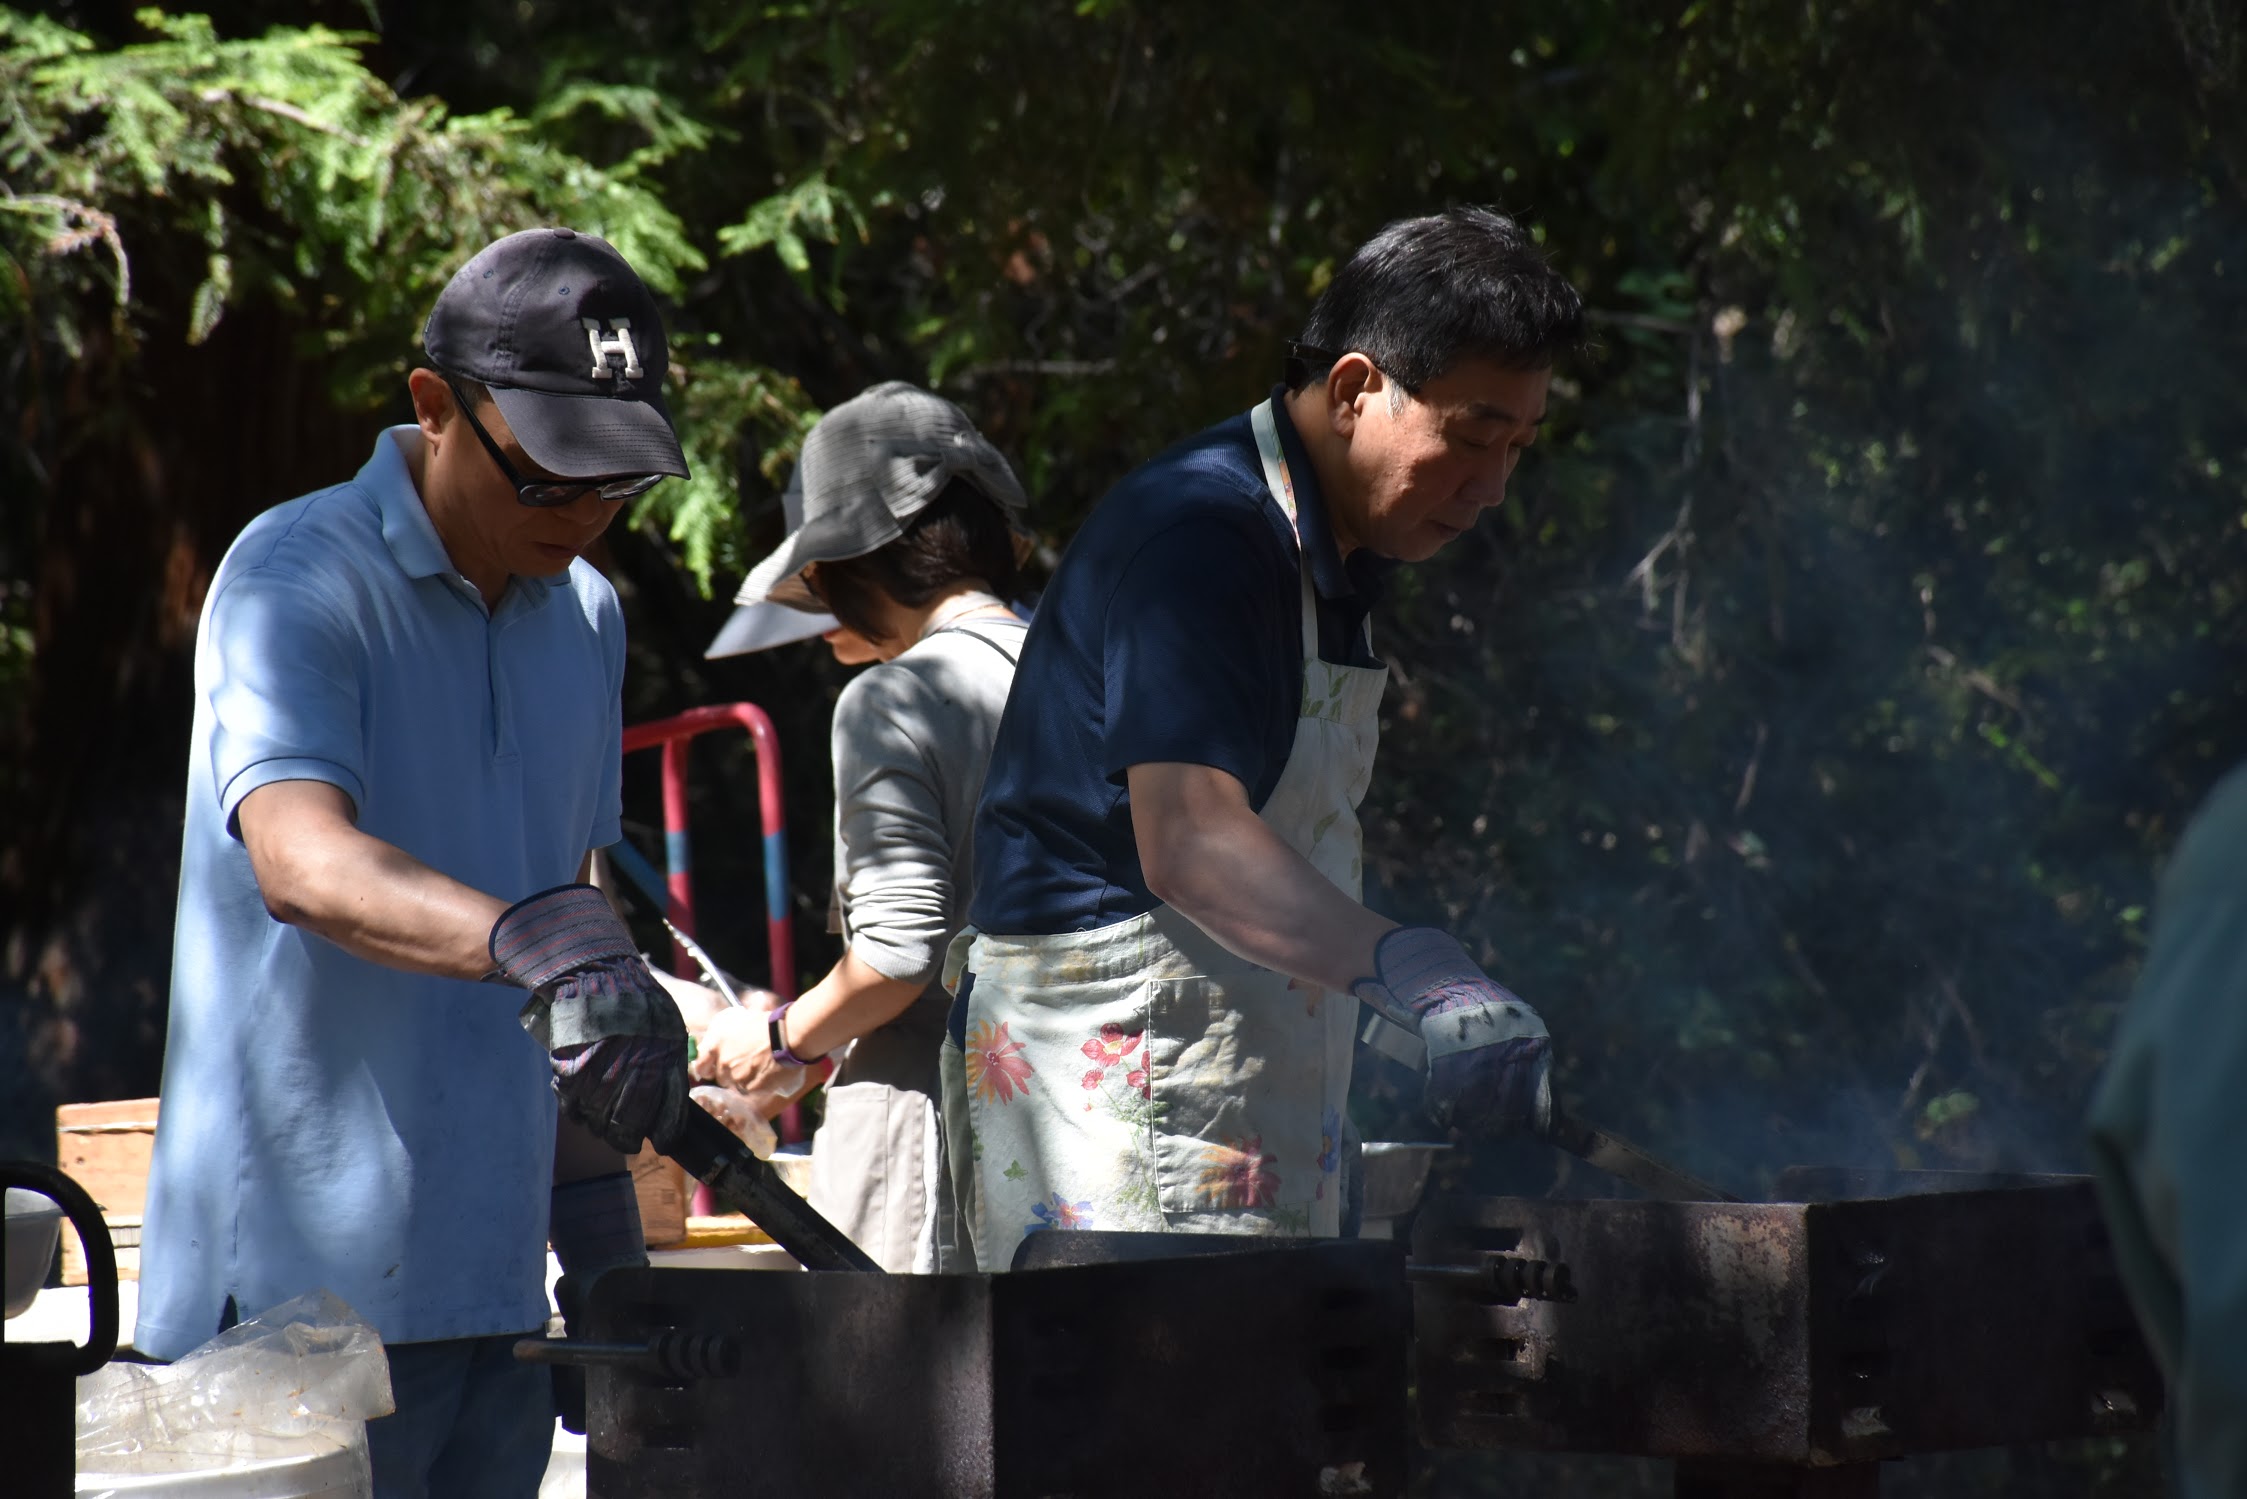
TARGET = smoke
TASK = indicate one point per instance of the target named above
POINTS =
(1804, 738)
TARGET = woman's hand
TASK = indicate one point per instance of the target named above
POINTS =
(736, 1051)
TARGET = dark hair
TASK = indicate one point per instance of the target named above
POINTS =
(961, 534)
(1425, 293)
(471, 393)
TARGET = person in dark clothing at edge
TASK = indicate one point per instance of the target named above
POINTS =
(2166, 1124)
(1156, 997)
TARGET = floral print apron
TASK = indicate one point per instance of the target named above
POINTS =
(1140, 1076)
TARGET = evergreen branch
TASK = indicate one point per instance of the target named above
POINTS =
(94, 224)
(286, 112)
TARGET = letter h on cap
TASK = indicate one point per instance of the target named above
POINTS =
(616, 346)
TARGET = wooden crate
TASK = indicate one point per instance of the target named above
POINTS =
(105, 1148)
(663, 1188)
(124, 1243)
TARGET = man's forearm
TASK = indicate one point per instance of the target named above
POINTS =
(316, 870)
(378, 903)
(1208, 855)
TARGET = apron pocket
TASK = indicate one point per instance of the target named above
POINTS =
(878, 1173)
(1238, 1086)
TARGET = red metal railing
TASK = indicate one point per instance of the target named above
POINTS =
(672, 735)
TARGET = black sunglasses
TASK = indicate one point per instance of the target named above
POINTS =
(547, 493)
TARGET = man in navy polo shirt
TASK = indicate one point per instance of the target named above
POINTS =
(406, 742)
(1156, 1000)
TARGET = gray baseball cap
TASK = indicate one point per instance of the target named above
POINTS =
(759, 626)
(869, 467)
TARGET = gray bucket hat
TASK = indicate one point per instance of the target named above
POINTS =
(869, 467)
(758, 626)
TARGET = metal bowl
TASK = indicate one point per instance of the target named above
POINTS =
(34, 1229)
(1396, 1174)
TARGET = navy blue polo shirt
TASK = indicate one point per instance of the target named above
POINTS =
(1171, 632)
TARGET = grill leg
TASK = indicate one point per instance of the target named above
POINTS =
(42, 1399)
(1704, 1480)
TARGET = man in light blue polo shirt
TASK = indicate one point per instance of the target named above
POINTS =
(406, 742)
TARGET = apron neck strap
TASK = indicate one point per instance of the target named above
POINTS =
(1276, 476)
(1282, 485)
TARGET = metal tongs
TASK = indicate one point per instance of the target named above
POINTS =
(1624, 1161)
(1612, 1154)
(714, 1156)
(693, 949)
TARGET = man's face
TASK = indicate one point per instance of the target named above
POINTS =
(1424, 468)
(483, 518)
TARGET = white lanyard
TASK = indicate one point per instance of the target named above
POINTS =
(1282, 485)
(1276, 476)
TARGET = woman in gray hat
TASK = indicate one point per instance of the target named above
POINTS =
(906, 539)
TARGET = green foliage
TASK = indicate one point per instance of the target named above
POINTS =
(298, 176)
(810, 210)
(301, 175)
(722, 406)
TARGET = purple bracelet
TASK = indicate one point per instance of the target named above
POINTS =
(780, 1051)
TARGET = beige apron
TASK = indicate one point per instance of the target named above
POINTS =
(879, 1174)
(1140, 1076)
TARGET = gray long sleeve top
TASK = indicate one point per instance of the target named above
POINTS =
(912, 737)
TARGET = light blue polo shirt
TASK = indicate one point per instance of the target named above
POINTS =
(328, 1122)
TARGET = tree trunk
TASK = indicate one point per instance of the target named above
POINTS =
(163, 455)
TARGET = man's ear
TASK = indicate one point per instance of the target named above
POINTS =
(433, 402)
(1353, 378)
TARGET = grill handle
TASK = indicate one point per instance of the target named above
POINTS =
(673, 1357)
(714, 1156)
(1500, 1277)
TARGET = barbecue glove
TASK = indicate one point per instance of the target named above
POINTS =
(1490, 1061)
(618, 1046)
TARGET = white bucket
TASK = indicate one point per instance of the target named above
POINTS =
(311, 1467)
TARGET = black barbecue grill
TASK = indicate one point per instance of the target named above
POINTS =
(1778, 1350)
(1781, 1348)
(1239, 1371)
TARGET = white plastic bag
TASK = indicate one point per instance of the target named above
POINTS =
(736, 1112)
(296, 1384)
